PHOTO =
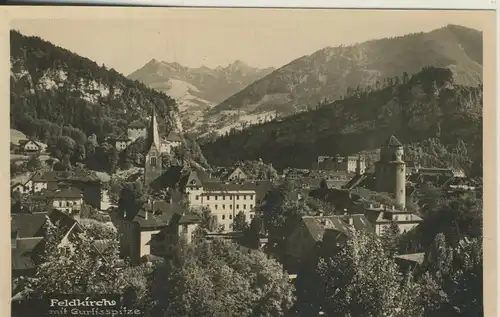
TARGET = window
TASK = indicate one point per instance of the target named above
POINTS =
(223, 217)
(244, 197)
(401, 170)
(251, 206)
(223, 197)
(215, 197)
(251, 216)
(197, 197)
(244, 207)
(230, 206)
(237, 197)
(251, 197)
(237, 206)
(215, 206)
(184, 228)
(60, 203)
(230, 216)
(223, 206)
(153, 161)
(208, 197)
(223, 227)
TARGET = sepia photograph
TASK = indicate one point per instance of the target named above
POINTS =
(250, 162)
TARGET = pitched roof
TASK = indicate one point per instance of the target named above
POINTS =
(412, 257)
(136, 124)
(317, 225)
(80, 175)
(159, 215)
(193, 179)
(70, 192)
(102, 245)
(173, 137)
(393, 141)
(21, 254)
(228, 186)
(28, 225)
(25, 141)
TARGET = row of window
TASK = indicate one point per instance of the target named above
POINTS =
(244, 206)
(223, 217)
(223, 197)
(67, 203)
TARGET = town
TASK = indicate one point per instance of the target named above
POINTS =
(125, 201)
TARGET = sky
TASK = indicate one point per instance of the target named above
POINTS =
(217, 37)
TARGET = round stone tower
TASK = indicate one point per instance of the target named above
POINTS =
(390, 171)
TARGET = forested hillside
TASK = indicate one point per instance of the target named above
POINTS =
(55, 92)
(426, 105)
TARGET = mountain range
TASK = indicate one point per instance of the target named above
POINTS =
(197, 89)
(326, 75)
(429, 107)
(54, 90)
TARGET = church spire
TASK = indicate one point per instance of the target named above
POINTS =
(153, 133)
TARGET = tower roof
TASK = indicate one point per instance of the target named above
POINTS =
(393, 141)
(153, 136)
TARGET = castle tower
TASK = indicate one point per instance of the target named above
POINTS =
(152, 158)
(390, 171)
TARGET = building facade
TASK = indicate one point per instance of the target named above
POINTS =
(136, 130)
(224, 199)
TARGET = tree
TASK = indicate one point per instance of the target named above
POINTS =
(215, 278)
(99, 230)
(280, 211)
(240, 223)
(132, 198)
(390, 238)
(452, 284)
(76, 270)
(357, 279)
(208, 221)
(33, 164)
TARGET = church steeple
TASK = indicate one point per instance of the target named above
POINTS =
(153, 136)
(152, 158)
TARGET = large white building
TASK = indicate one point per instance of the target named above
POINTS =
(224, 199)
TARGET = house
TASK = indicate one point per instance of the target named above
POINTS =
(87, 182)
(409, 262)
(28, 238)
(145, 232)
(381, 217)
(224, 199)
(20, 188)
(120, 143)
(29, 146)
(171, 141)
(311, 231)
(237, 174)
(28, 243)
(68, 200)
(136, 129)
(349, 164)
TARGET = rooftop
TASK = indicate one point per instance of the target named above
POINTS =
(317, 225)
(393, 142)
(412, 257)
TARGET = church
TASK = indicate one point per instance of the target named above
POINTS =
(152, 152)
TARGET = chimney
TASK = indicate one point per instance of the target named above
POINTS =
(146, 214)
